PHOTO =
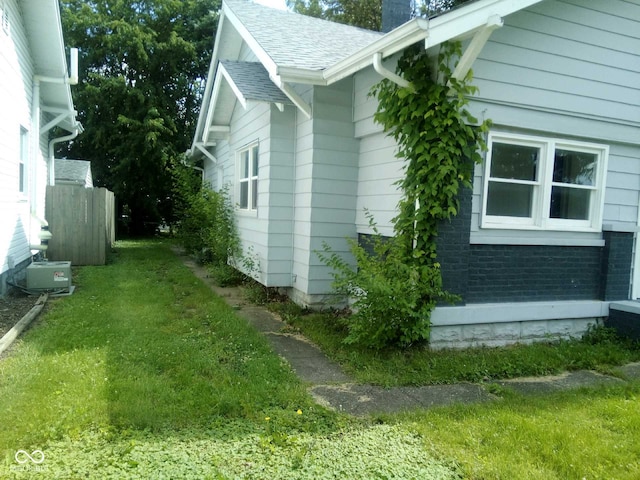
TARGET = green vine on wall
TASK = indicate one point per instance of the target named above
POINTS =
(439, 140)
(397, 281)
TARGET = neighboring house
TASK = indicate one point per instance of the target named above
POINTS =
(539, 248)
(73, 172)
(35, 96)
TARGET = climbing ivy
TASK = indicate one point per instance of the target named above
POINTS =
(397, 282)
(437, 137)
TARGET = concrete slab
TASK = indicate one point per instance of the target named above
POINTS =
(366, 399)
(306, 360)
(630, 371)
(332, 388)
(555, 383)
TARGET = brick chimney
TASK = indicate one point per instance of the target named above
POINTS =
(395, 13)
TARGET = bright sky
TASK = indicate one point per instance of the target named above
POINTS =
(281, 4)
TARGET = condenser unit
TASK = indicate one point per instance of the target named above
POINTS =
(49, 276)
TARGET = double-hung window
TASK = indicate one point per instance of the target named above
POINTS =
(539, 183)
(248, 177)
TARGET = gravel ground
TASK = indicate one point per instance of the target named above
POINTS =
(13, 307)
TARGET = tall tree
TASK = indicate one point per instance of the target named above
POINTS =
(142, 65)
(365, 13)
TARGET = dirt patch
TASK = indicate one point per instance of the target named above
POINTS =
(13, 307)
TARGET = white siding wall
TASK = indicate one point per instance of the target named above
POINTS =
(16, 72)
(568, 69)
(550, 70)
(326, 185)
(265, 234)
(378, 166)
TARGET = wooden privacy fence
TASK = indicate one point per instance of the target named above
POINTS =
(82, 224)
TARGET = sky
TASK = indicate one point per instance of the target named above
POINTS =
(281, 4)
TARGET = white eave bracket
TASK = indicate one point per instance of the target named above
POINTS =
(292, 95)
(475, 47)
(206, 153)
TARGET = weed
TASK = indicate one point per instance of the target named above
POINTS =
(419, 365)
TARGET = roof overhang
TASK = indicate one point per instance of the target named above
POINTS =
(44, 29)
(455, 25)
(475, 19)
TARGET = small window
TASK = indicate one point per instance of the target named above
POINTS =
(248, 178)
(23, 160)
(539, 183)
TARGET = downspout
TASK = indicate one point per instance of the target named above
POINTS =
(201, 170)
(52, 160)
(388, 74)
(35, 143)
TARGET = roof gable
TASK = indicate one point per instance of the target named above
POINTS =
(295, 48)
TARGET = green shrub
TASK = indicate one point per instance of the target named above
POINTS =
(207, 226)
(392, 298)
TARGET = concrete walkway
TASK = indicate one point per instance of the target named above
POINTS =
(331, 387)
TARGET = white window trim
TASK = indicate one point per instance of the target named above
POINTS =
(252, 176)
(540, 219)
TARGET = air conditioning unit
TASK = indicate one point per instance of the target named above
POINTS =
(49, 276)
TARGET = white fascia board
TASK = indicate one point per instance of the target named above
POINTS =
(393, 42)
(466, 20)
(204, 116)
(456, 24)
(301, 75)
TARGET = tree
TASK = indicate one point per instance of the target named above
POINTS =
(360, 13)
(365, 13)
(142, 65)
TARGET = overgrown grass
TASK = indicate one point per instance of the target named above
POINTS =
(421, 366)
(144, 373)
(580, 434)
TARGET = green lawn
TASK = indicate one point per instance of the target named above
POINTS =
(143, 373)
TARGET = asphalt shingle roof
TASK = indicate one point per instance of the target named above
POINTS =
(72, 171)
(253, 81)
(299, 41)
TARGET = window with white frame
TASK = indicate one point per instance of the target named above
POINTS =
(248, 177)
(540, 183)
(23, 160)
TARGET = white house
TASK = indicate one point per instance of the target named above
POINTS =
(287, 123)
(35, 97)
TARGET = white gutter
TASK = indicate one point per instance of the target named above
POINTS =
(388, 74)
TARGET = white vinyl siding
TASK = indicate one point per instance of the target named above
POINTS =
(16, 74)
(552, 70)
